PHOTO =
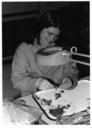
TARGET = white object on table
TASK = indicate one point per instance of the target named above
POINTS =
(31, 102)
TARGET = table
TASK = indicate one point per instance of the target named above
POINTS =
(31, 102)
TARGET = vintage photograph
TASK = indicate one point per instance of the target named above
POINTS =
(46, 62)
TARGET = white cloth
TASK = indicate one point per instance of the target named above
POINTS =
(17, 114)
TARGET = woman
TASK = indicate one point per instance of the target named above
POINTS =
(27, 75)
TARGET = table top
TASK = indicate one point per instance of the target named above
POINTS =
(31, 102)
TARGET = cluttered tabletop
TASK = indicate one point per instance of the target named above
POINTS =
(60, 107)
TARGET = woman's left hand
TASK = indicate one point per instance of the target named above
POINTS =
(66, 83)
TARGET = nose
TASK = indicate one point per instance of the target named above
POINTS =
(52, 38)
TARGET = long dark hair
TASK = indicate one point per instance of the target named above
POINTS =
(47, 19)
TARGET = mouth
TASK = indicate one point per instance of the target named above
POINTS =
(47, 43)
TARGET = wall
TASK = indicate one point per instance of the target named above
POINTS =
(11, 10)
(19, 7)
(19, 19)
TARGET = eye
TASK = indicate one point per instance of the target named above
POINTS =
(50, 33)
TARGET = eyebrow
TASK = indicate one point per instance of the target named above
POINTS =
(53, 33)
(50, 32)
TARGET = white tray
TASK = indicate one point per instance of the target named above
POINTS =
(75, 100)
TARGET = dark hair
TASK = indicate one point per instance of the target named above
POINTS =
(47, 19)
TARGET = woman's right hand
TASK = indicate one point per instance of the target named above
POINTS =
(43, 84)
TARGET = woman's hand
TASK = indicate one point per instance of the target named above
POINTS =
(43, 84)
(66, 83)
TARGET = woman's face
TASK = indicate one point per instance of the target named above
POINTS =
(48, 36)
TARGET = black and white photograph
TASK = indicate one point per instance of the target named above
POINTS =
(46, 63)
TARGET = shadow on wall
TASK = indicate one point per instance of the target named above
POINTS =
(14, 33)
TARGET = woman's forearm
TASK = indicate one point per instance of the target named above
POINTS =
(70, 76)
(25, 84)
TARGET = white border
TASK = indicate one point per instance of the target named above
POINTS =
(57, 126)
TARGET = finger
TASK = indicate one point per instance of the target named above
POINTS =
(44, 86)
(48, 83)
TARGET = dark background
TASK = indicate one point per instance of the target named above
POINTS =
(74, 18)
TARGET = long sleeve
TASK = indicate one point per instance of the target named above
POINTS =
(21, 77)
(70, 71)
(59, 73)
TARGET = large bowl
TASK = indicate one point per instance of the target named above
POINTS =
(52, 56)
